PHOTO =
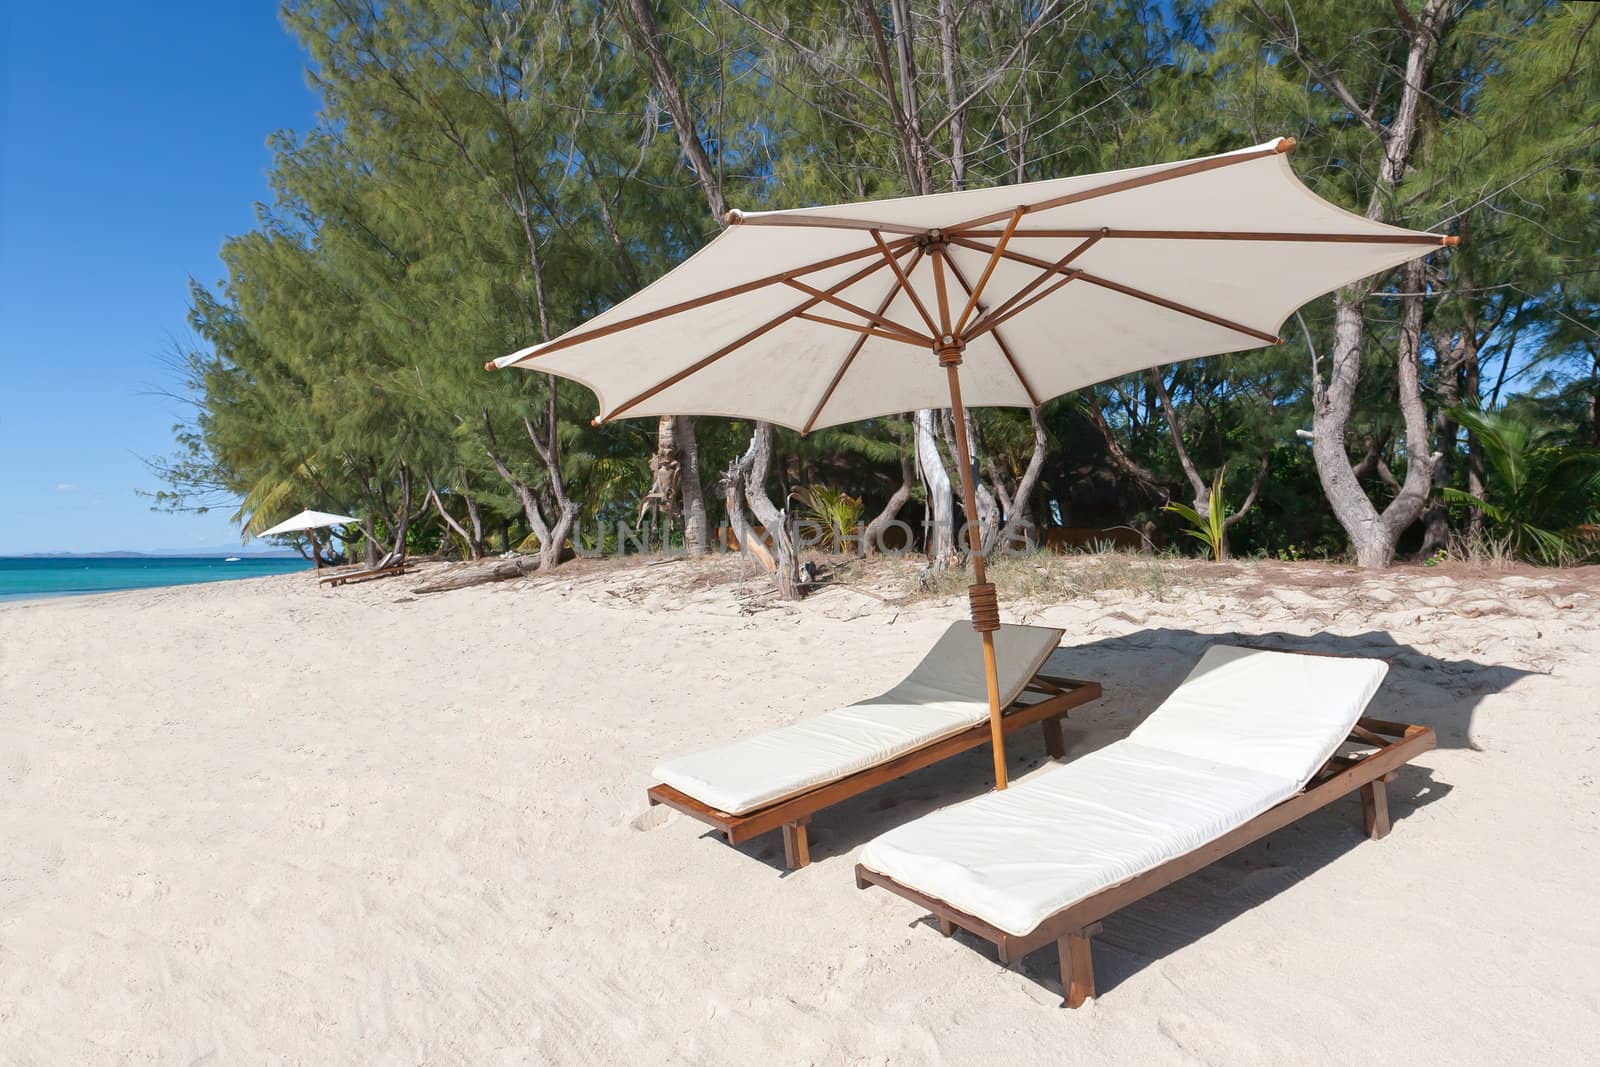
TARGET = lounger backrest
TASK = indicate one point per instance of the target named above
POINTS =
(1280, 713)
(953, 668)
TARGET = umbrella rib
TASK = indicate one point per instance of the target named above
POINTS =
(1006, 307)
(1000, 343)
(894, 289)
(701, 364)
(905, 280)
(569, 339)
(939, 290)
(1182, 309)
(988, 269)
(1183, 170)
(1138, 294)
(870, 331)
(992, 322)
(875, 317)
(826, 222)
(1230, 235)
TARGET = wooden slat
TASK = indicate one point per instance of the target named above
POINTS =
(999, 341)
(1182, 170)
(567, 340)
(988, 270)
(733, 346)
(870, 331)
(993, 322)
(823, 222)
(1010, 305)
(855, 349)
(1182, 309)
(877, 318)
(905, 280)
(1226, 235)
(1128, 290)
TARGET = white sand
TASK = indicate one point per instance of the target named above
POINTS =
(259, 822)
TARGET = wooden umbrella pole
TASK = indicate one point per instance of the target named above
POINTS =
(985, 606)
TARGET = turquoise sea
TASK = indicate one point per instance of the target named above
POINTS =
(38, 576)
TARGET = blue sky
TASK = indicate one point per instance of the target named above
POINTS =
(134, 142)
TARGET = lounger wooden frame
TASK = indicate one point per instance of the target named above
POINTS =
(362, 576)
(1393, 745)
(1053, 698)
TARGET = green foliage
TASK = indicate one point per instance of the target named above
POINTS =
(837, 513)
(1209, 529)
(1539, 491)
(485, 175)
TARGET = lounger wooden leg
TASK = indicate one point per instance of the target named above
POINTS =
(1375, 809)
(946, 927)
(796, 848)
(1077, 968)
(1054, 743)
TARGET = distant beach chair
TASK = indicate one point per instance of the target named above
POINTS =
(345, 577)
(781, 778)
(1247, 744)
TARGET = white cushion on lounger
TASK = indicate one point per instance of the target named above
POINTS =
(1014, 858)
(944, 695)
(1279, 713)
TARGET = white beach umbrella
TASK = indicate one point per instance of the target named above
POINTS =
(990, 297)
(306, 521)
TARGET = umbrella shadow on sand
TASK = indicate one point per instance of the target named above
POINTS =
(1138, 671)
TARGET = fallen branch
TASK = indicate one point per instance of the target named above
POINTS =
(465, 577)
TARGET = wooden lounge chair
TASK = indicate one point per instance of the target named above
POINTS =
(1249, 743)
(385, 571)
(780, 779)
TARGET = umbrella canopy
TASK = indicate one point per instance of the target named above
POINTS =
(307, 520)
(805, 318)
(988, 297)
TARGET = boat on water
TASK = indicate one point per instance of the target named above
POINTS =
(231, 559)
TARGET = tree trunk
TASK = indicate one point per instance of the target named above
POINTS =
(695, 534)
(1374, 535)
(1436, 520)
(939, 542)
(1331, 408)
(872, 536)
(402, 524)
(1019, 514)
(775, 519)
(645, 33)
(988, 516)
(733, 496)
(450, 520)
(473, 515)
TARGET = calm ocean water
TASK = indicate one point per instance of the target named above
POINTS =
(61, 575)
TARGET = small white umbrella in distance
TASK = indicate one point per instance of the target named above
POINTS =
(307, 520)
(989, 297)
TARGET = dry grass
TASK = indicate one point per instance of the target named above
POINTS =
(1050, 576)
(1482, 550)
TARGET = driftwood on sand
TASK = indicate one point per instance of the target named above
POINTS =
(481, 574)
